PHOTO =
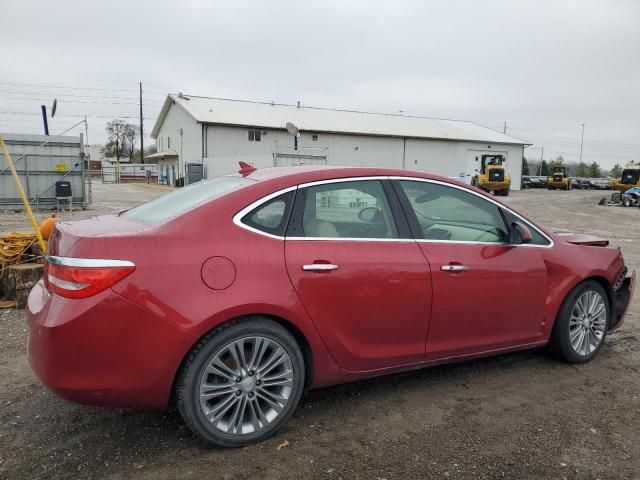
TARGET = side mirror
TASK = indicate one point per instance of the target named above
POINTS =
(370, 214)
(519, 234)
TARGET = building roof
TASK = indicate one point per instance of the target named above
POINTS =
(242, 113)
(166, 153)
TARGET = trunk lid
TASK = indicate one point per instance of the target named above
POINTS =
(582, 239)
(66, 234)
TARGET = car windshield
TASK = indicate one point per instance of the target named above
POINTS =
(180, 201)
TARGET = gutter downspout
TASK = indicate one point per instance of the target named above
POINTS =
(404, 153)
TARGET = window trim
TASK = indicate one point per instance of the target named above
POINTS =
(393, 178)
(501, 207)
(398, 217)
(237, 218)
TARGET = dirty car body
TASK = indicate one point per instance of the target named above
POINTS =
(357, 272)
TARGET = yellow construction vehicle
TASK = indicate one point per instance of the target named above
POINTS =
(630, 178)
(492, 176)
(559, 179)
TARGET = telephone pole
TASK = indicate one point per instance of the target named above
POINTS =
(504, 129)
(581, 141)
(141, 129)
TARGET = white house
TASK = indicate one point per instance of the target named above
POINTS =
(219, 132)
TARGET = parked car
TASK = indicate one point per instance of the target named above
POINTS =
(233, 296)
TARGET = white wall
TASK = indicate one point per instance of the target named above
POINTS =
(225, 146)
(188, 145)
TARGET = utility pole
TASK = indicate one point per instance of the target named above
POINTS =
(581, 141)
(504, 129)
(541, 155)
(87, 157)
(141, 129)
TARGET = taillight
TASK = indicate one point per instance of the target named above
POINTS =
(83, 277)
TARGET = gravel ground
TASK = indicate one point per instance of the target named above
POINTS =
(521, 415)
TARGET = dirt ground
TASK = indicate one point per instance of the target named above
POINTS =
(521, 415)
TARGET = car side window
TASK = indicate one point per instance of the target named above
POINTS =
(352, 209)
(449, 213)
(271, 216)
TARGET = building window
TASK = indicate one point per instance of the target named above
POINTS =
(168, 143)
(314, 137)
(254, 135)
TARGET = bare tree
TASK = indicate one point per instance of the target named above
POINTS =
(119, 143)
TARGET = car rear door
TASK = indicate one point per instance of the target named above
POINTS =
(487, 293)
(359, 273)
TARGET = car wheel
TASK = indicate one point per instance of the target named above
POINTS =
(241, 383)
(581, 324)
(626, 202)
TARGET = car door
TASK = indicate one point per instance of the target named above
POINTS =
(487, 293)
(359, 273)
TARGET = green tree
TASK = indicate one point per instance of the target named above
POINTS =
(525, 166)
(594, 170)
(544, 169)
(583, 170)
(616, 171)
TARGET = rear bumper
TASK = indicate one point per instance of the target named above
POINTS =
(621, 299)
(103, 350)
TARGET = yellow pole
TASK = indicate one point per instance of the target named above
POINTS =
(43, 246)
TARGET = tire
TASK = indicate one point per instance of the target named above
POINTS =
(626, 202)
(262, 410)
(568, 343)
(505, 192)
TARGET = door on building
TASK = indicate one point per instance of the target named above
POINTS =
(479, 279)
(357, 271)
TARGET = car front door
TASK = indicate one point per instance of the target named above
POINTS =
(487, 293)
(359, 273)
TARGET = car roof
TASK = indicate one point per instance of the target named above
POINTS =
(304, 174)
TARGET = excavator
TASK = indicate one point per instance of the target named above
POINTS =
(559, 179)
(492, 176)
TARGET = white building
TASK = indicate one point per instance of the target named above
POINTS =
(221, 132)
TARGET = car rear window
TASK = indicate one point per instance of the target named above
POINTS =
(180, 201)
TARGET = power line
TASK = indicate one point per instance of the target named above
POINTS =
(15, 84)
(13, 92)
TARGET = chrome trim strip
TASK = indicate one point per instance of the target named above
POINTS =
(87, 262)
(238, 216)
(500, 205)
(352, 239)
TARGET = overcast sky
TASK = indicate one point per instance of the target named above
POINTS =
(544, 67)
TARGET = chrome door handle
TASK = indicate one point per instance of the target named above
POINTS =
(454, 268)
(319, 267)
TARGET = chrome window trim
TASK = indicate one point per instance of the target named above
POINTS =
(87, 262)
(499, 205)
(237, 218)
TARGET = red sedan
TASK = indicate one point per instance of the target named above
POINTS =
(233, 296)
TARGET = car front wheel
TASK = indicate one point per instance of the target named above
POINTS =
(581, 324)
(241, 383)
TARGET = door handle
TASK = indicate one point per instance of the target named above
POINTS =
(319, 267)
(454, 268)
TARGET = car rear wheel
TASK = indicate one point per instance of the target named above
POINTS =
(581, 324)
(241, 383)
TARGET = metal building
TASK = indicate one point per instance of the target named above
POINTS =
(220, 132)
(40, 162)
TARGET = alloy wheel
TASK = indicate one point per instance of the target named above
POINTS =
(587, 323)
(246, 385)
